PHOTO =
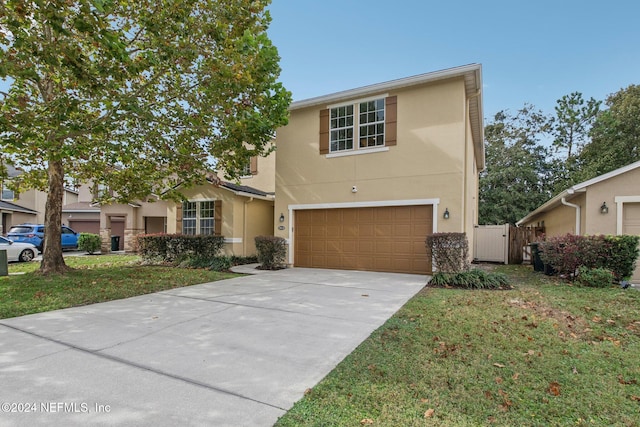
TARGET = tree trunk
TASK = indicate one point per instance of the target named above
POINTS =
(52, 260)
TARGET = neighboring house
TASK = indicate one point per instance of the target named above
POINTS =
(607, 204)
(83, 215)
(237, 211)
(26, 207)
(364, 175)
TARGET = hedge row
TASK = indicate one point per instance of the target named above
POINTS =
(172, 247)
(568, 253)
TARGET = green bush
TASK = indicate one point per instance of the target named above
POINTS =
(220, 263)
(449, 252)
(89, 242)
(623, 256)
(178, 248)
(595, 277)
(568, 253)
(272, 252)
(470, 279)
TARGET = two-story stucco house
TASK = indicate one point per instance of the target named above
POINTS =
(26, 207)
(364, 175)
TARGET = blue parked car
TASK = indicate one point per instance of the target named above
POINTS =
(34, 234)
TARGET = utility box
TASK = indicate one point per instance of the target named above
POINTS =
(4, 267)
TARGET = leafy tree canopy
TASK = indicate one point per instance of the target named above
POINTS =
(515, 180)
(135, 95)
(615, 136)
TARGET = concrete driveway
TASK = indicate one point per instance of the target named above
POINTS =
(238, 352)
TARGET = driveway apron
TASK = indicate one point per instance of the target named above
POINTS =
(237, 352)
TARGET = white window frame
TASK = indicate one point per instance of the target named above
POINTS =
(4, 190)
(206, 224)
(192, 229)
(199, 224)
(356, 127)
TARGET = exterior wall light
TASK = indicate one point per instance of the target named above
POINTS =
(281, 217)
(604, 209)
(446, 213)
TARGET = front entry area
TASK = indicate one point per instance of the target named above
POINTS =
(386, 239)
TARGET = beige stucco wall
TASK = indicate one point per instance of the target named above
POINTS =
(430, 161)
(239, 234)
(627, 184)
(561, 219)
(265, 179)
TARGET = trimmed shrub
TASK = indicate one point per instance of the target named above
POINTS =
(623, 256)
(89, 242)
(272, 252)
(449, 252)
(471, 279)
(179, 247)
(595, 277)
(220, 263)
(566, 254)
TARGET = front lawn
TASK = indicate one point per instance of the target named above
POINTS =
(96, 279)
(543, 354)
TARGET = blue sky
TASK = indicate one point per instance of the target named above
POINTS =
(534, 51)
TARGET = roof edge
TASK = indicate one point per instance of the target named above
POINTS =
(385, 86)
(577, 188)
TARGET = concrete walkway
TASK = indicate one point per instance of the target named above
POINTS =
(237, 352)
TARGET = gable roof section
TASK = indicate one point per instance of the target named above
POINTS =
(8, 206)
(471, 73)
(578, 188)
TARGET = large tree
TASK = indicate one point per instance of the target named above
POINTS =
(570, 127)
(133, 95)
(615, 136)
(516, 178)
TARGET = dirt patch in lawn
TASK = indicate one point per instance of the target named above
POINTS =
(568, 325)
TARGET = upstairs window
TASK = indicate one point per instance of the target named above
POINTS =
(250, 168)
(7, 194)
(372, 123)
(368, 123)
(342, 128)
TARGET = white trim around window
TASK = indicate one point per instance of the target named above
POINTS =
(351, 130)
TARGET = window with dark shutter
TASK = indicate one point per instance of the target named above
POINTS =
(359, 125)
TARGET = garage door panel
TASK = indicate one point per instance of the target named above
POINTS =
(402, 230)
(365, 215)
(367, 246)
(380, 239)
(333, 230)
(384, 215)
(405, 248)
(384, 230)
(366, 231)
(383, 246)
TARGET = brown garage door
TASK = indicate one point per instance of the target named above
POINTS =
(85, 226)
(374, 239)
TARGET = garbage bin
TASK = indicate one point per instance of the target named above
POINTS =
(4, 268)
(115, 243)
(538, 265)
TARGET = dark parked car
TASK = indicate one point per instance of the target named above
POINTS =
(34, 234)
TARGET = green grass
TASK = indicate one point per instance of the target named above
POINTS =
(543, 354)
(95, 279)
